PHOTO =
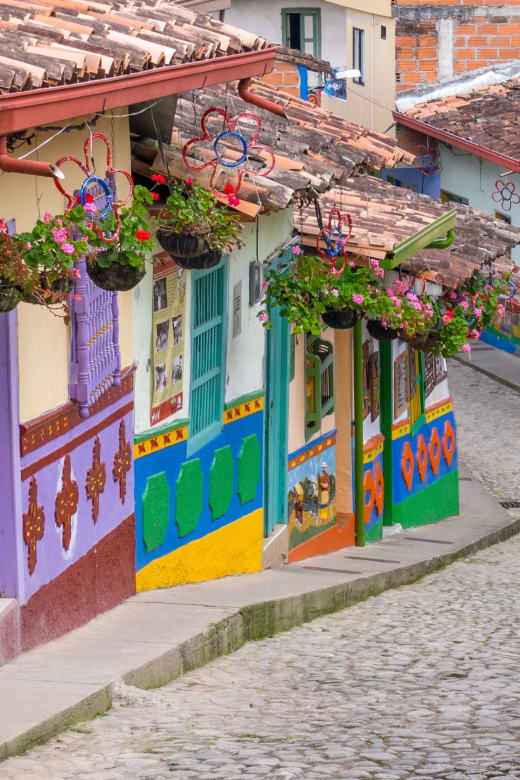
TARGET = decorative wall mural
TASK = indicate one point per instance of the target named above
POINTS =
(408, 465)
(122, 461)
(221, 482)
(312, 493)
(156, 511)
(434, 451)
(189, 497)
(66, 503)
(448, 442)
(248, 468)
(96, 479)
(33, 526)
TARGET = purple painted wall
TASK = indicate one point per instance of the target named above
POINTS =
(52, 558)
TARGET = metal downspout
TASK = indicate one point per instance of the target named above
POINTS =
(256, 100)
(358, 436)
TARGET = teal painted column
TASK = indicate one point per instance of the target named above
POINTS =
(358, 436)
(387, 418)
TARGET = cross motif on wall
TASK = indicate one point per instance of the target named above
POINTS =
(33, 525)
(66, 503)
(122, 461)
(96, 479)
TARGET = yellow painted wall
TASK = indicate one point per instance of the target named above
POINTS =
(234, 549)
(43, 339)
(381, 7)
(297, 398)
(370, 105)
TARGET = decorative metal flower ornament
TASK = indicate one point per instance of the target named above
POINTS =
(231, 132)
(505, 194)
(427, 160)
(334, 233)
(85, 197)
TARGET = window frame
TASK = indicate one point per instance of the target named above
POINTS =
(451, 197)
(316, 372)
(383, 32)
(417, 356)
(316, 26)
(358, 32)
(197, 441)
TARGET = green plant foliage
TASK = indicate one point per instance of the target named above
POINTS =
(248, 468)
(156, 511)
(221, 482)
(188, 497)
(194, 209)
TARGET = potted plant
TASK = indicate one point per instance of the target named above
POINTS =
(195, 229)
(120, 265)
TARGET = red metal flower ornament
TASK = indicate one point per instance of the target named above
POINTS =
(505, 194)
(427, 160)
(229, 133)
(91, 179)
(334, 232)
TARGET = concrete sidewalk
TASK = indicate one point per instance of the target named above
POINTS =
(156, 636)
(493, 362)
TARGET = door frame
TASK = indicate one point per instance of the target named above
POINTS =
(276, 412)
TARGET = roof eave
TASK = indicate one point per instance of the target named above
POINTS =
(420, 240)
(454, 140)
(33, 108)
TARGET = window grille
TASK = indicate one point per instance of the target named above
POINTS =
(95, 355)
(208, 355)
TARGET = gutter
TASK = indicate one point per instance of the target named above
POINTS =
(421, 240)
(454, 140)
(24, 110)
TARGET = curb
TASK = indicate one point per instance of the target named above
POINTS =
(250, 623)
(499, 379)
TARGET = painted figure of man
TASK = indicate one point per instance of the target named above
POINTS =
(324, 493)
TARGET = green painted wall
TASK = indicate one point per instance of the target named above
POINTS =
(248, 468)
(375, 533)
(221, 482)
(435, 502)
(188, 497)
(156, 511)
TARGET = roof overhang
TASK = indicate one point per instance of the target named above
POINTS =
(420, 240)
(33, 108)
(454, 140)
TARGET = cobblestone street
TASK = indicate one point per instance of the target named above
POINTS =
(420, 682)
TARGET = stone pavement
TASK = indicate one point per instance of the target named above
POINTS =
(488, 422)
(494, 363)
(421, 682)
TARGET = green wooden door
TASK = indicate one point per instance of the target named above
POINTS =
(276, 416)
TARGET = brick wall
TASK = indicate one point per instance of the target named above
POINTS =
(285, 75)
(484, 33)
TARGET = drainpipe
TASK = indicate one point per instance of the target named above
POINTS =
(443, 243)
(358, 436)
(32, 167)
(256, 100)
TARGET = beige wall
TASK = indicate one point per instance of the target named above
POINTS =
(381, 7)
(370, 105)
(43, 339)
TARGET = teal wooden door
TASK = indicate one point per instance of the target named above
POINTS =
(276, 417)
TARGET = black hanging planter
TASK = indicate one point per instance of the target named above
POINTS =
(378, 331)
(182, 244)
(9, 298)
(341, 319)
(202, 262)
(423, 342)
(63, 285)
(115, 278)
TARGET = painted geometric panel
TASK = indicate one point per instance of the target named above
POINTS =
(156, 511)
(33, 526)
(188, 497)
(221, 482)
(248, 468)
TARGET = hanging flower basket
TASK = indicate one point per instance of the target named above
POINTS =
(424, 342)
(381, 333)
(186, 245)
(115, 277)
(9, 298)
(203, 262)
(341, 319)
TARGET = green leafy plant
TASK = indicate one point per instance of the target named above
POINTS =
(193, 209)
(303, 290)
(134, 241)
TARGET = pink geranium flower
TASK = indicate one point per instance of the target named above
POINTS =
(263, 317)
(358, 298)
(68, 249)
(464, 304)
(47, 217)
(296, 250)
(466, 348)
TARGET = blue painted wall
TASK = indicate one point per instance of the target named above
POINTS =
(426, 185)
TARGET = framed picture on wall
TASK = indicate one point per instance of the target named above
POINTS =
(401, 384)
(441, 369)
(429, 374)
(375, 403)
(366, 380)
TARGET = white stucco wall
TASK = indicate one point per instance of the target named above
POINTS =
(245, 352)
(265, 18)
(473, 178)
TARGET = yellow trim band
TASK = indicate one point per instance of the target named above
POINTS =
(368, 457)
(243, 410)
(439, 411)
(402, 430)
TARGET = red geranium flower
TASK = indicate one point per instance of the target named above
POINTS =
(143, 235)
(158, 178)
(155, 195)
(229, 189)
